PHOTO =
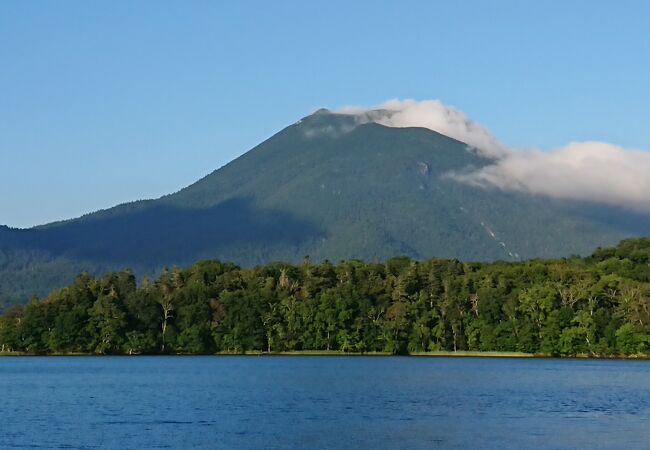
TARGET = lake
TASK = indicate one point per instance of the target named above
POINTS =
(304, 402)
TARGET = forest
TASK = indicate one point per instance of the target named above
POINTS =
(595, 306)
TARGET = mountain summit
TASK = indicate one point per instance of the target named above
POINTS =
(332, 186)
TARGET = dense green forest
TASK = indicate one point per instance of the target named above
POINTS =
(599, 306)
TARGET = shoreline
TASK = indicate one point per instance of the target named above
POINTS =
(325, 353)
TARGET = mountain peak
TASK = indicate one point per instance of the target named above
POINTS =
(321, 111)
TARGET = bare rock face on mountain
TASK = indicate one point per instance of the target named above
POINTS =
(331, 186)
(423, 168)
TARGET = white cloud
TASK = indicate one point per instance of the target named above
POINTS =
(434, 115)
(587, 171)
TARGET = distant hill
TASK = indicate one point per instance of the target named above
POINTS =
(328, 187)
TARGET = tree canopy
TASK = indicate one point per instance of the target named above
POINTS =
(599, 306)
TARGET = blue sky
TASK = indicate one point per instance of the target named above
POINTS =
(107, 102)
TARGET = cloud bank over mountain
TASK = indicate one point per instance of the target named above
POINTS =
(434, 115)
(588, 171)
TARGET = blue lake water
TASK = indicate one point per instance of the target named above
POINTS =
(322, 403)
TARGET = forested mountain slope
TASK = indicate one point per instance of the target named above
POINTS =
(327, 186)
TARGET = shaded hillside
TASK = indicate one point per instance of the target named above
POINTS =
(327, 187)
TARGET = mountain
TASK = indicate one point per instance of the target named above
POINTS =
(328, 186)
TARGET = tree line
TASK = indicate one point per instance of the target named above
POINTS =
(598, 306)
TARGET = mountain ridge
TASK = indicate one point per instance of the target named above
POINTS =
(332, 186)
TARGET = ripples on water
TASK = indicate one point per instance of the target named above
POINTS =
(322, 402)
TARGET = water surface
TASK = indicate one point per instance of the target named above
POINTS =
(322, 403)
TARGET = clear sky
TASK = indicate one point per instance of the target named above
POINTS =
(107, 102)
